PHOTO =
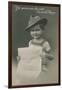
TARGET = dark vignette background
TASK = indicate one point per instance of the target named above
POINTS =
(20, 18)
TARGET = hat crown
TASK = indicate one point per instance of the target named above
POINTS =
(33, 19)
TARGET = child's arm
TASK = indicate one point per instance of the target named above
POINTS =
(47, 51)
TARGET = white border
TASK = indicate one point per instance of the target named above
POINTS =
(4, 43)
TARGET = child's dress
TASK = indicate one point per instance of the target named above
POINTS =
(44, 46)
(32, 69)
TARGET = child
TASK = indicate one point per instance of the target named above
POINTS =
(36, 26)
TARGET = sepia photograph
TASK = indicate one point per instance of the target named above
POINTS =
(34, 44)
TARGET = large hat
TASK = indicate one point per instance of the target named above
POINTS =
(34, 20)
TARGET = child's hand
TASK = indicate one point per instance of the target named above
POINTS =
(18, 58)
(49, 56)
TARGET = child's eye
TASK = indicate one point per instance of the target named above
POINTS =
(35, 30)
(32, 30)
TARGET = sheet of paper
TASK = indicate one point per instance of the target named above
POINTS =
(30, 62)
(27, 53)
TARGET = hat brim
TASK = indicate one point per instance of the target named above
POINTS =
(41, 21)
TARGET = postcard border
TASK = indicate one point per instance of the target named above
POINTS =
(10, 44)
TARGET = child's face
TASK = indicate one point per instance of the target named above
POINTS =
(36, 32)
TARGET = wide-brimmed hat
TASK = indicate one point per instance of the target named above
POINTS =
(34, 20)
